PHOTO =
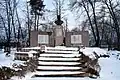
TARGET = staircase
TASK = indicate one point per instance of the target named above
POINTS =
(57, 62)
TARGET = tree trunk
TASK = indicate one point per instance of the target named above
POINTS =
(37, 21)
(112, 13)
(8, 24)
(28, 24)
(18, 42)
(90, 22)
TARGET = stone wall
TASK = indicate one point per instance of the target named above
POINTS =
(34, 38)
(58, 40)
(84, 38)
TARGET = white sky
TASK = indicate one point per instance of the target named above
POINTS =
(72, 22)
(68, 14)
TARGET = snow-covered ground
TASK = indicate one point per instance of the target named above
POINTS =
(109, 66)
(8, 61)
(89, 51)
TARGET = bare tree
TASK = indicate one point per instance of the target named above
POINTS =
(111, 7)
(37, 9)
(87, 4)
(10, 21)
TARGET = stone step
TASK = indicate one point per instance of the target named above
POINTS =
(57, 73)
(58, 67)
(58, 59)
(65, 52)
(66, 76)
(58, 63)
(60, 70)
(60, 55)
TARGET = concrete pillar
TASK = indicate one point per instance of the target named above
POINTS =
(58, 35)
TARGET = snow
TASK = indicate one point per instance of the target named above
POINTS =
(109, 69)
(33, 51)
(27, 77)
(114, 54)
(63, 51)
(30, 53)
(31, 48)
(109, 66)
(57, 68)
(59, 78)
(21, 52)
(58, 63)
(61, 55)
(62, 59)
(63, 48)
(89, 51)
(8, 61)
(58, 73)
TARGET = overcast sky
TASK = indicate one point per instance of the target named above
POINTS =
(67, 14)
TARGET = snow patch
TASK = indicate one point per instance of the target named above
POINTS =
(88, 51)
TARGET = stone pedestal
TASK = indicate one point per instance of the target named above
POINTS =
(58, 35)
